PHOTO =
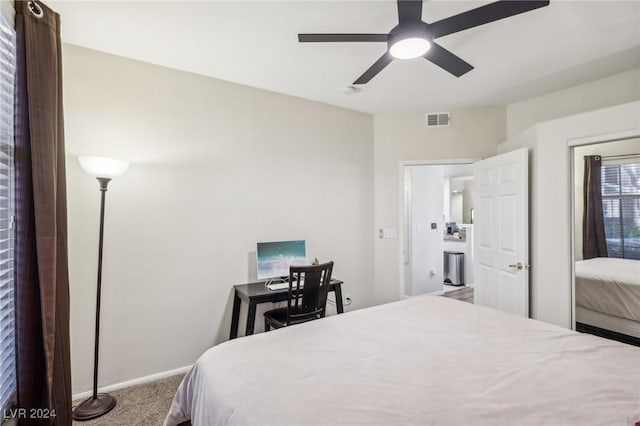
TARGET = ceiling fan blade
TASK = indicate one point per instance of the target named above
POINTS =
(447, 60)
(375, 69)
(409, 11)
(483, 15)
(320, 38)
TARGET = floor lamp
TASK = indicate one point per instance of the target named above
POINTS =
(103, 169)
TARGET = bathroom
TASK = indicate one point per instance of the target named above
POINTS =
(438, 228)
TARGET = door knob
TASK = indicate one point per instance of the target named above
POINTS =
(519, 266)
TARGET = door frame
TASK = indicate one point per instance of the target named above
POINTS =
(401, 222)
(572, 144)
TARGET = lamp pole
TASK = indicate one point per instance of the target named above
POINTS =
(99, 404)
(104, 182)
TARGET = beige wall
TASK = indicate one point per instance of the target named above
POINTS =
(550, 199)
(474, 133)
(544, 125)
(613, 90)
(215, 168)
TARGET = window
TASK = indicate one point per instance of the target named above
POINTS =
(621, 207)
(7, 199)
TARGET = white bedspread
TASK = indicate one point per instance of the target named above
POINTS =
(610, 286)
(421, 361)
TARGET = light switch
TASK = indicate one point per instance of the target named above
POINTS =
(388, 233)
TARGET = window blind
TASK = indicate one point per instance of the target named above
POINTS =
(621, 208)
(7, 201)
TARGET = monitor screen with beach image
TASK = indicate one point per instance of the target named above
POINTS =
(274, 258)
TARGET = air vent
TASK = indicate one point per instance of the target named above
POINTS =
(438, 119)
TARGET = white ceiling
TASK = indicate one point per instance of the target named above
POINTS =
(255, 43)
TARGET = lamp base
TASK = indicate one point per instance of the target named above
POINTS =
(91, 408)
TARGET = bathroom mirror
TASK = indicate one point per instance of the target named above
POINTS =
(461, 199)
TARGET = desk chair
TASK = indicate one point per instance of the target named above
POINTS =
(304, 304)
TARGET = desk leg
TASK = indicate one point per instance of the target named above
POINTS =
(235, 317)
(251, 318)
(338, 293)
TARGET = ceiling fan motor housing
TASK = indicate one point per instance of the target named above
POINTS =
(409, 30)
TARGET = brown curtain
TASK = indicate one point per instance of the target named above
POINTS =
(42, 282)
(594, 243)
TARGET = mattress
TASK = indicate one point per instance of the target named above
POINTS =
(608, 322)
(424, 360)
(610, 286)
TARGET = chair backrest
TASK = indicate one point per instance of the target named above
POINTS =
(314, 291)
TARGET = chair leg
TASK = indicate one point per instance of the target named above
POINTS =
(266, 325)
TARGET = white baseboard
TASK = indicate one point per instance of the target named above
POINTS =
(129, 383)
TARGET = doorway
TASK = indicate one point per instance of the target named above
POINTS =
(499, 236)
(437, 231)
(606, 239)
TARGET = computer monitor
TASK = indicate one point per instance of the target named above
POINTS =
(274, 258)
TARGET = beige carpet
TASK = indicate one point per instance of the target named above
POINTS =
(142, 405)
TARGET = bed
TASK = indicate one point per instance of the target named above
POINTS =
(426, 360)
(608, 294)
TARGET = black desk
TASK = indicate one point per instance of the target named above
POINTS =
(255, 293)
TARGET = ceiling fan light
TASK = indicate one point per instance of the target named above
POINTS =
(409, 48)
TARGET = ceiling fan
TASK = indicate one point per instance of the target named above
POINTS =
(413, 37)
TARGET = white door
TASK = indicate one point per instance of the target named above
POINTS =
(501, 232)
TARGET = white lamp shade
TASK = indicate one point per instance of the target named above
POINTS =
(409, 48)
(102, 167)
